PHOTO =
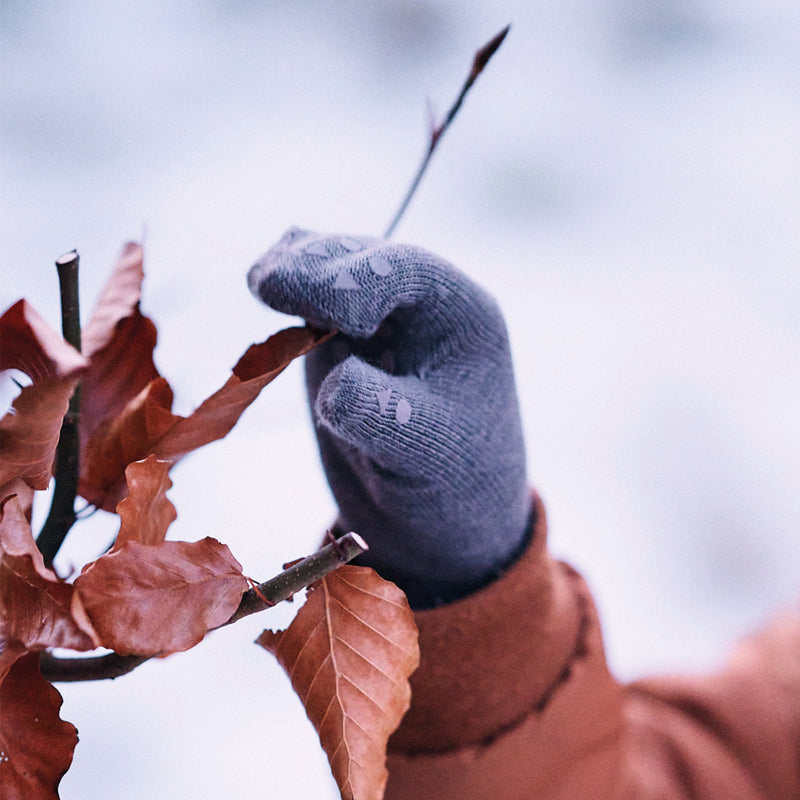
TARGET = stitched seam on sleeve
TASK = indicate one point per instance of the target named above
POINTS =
(579, 651)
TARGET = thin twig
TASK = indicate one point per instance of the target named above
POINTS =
(263, 596)
(67, 468)
(480, 60)
(300, 575)
(88, 668)
(67, 266)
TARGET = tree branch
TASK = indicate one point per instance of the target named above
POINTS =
(88, 668)
(258, 598)
(300, 575)
(67, 469)
(480, 60)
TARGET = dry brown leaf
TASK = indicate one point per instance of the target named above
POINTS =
(146, 513)
(120, 296)
(33, 347)
(119, 341)
(29, 432)
(152, 599)
(24, 495)
(148, 426)
(37, 609)
(349, 653)
(260, 365)
(36, 745)
(121, 440)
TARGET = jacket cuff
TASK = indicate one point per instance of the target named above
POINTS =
(493, 657)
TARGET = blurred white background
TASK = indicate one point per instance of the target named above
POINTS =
(624, 178)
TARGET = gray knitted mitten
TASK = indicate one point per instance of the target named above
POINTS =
(414, 407)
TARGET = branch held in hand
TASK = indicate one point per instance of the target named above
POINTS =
(479, 62)
(259, 598)
(299, 575)
(67, 468)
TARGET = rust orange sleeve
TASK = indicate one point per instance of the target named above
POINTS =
(512, 697)
(513, 701)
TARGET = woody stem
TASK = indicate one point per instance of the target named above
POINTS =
(67, 467)
(265, 595)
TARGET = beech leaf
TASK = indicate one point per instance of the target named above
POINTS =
(119, 341)
(217, 415)
(146, 513)
(37, 609)
(147, 425)
(349, 653)
(29, 431)
(36, 745)
(149, 600)
(119, 297)
(121, 440)
(24, 495)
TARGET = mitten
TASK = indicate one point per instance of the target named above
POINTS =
(414, 407)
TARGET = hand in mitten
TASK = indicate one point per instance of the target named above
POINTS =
(414, 407)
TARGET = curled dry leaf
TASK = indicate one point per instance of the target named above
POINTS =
(121, 440)
(146, 513)
(24, 495)
(36, 745)
(147, 425)
(217, 415)
(349, 653)
(37, 609)
(119, 298)
(33, 347)
(29, 432)
(119, 342)
(153, 599)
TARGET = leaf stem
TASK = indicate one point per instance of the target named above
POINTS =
(480, 60)
(265, 595)
(67, 468)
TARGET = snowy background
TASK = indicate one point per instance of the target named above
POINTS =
(624, 178)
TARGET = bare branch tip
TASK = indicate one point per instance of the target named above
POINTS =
(479, 62)
(488, 50)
